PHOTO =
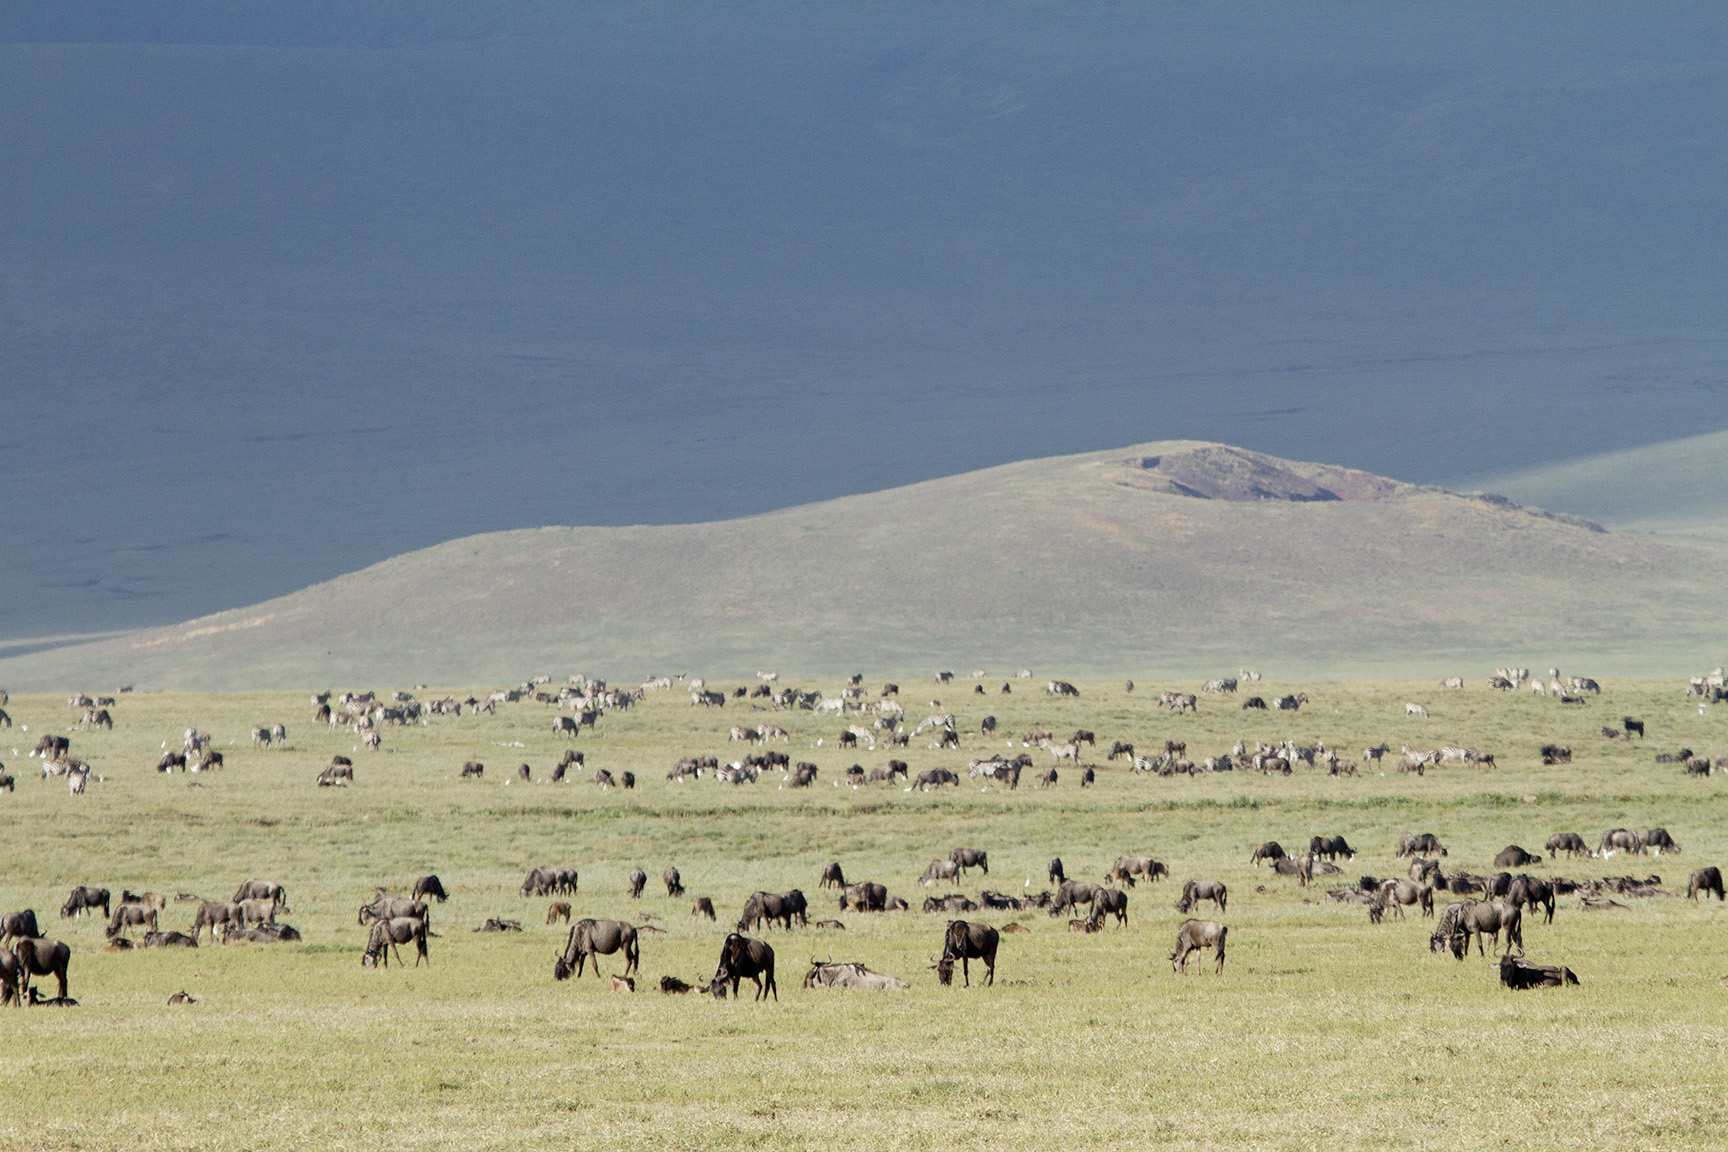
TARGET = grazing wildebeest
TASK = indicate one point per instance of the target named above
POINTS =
(743, 958)
(171, 761)
(1659, 839)
(1553, 754)
(1631, 725)
(864, 897)
(1481, 918)
(6, 782)
(473, 768)
(1620, 839)
(52, 747)
(1083, 736)
(1195, 935)
(264, 890)
(1512, 856)
(1121, 748)
(1420, 844)
(767, 907)
(389, 935)
(1271, 850)
(1399, 894)
(38, 957)
(596, 938)
(1110, 902)
(940, 870)
(214, 915)
(382, 908)
(1517, 974)
(1568, 842)
(935, 778)
(887, 772)
(85, 900)
(829, 974)
(1528, 890)
(964, 858)
(1331, 847)
(16, 925)
(1128, 867)
(430, 886)
(832, 876)
(559, 910)
(1056, 873)
(703, 906)
(1073, 893)
(131, 916)
(1705, 880)
(967, 942)
(1197, 890)
(674, 883)
(571, 759)
(638, 881)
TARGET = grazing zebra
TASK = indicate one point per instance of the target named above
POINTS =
(1452, 682)
(1413, 709)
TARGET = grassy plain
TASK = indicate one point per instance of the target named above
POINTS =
(1323, 1032)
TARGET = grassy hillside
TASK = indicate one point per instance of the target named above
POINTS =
(1324, 1032)
(1161, 558)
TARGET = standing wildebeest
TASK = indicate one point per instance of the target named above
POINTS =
(391, 934)
(1331, 847)
(1073, 893)
(743, 958)
(1569, 842)
(1108, 902)
(771, 906)
(638, 881)
(38, 957)
(16, 925)
(596, 938)
(474, 769)
(557, 911)
(674, 883)
(1197, 890)
(1619, 839)
(85, 899)
(832, 876)
(1527, 890)
(430, 886)
(1512, 856)
(1480, 918)
(1128, 867)
(1631, 725)
(964, 858)
(703, 906)
(940, 870)
(967, 942)
(1516, 974)
(1659, 839)
(382, 908)
(1705, 880)
(864, 897)
(1420, 844)
(1271, 850)
(1195, 935)
(1056, 873)
(264, 890)
(1398, 894)
(171, 761)
(131, 916)
(1120, 748)
(214, 915)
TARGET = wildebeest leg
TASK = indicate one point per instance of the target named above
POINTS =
(965, 971)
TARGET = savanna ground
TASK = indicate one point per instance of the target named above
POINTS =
(1323, 1031)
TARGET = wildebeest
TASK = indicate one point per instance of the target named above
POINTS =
(1331, 847)
(1197, 890)
(1056, 873)
(51, 747)
(1659, 839)
(550, 881)
(864, 897)
(1620, 840)
(674, 883)
(935, 778)
(596, 938)
(1074, 892)
(391, 934)
(1517, 974)
(829, 974)
(1512, 856)
(473, 768)
(940, 870)
(1128, 867)
(169, 940)
(964, 858)
(743, 958)
(1195, 935)
(767, 907)
(382, 907)
(1631, 725)
(6, 782)
(1121, 748)
(1420, 844)
(16, 925)
(131, 916)
(1399, 894)
(886, 772)
(638, 880)
(832, 876)
(171, 761)
(213, 914)
(263, 890)
(1271, 850)
(38, 957)
(1705, 880)
(703, 906)
(1553, 754)
(1528, 890)
(1568, 842)
(1480, 918)
(967, 942)
(557, 911)
(1061, 688)
(1110, 902)
(430, 886)
(85, 899)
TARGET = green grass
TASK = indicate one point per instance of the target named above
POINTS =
(1323, 1032)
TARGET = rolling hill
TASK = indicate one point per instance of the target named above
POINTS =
(1175, 558)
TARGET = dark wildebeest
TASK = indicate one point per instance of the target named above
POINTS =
(674, 883)
(1195, 935)
(473, 768)
(430, 886)
(1631, 725)
(1512, 856)
(828, 974)
(385, 908)
(1110, 902)
(1620, 839)
(1481, 918)
(39, 957)
(1705, 880)
(967, 942)
(85, 899)
(525, 774)
(885, 773)
(1075, 892)
(1659, 839)
(1517, 974)
(264, 890)
(11, 980)
(1330, 847)
(213, 915)
(1197, 890)
(1528, 890)
(1128, 867)
(935, 778)
(864, 897)
(1120, 748)
(171, 761)
(940, 870)
(1420, 844)
(638, 881)
(743, 958)
(1271, 850)
(771, 906)
(388, 935)
(596, 938)
(52, 747)
(1399, 894)
(169, 940)
(15, 925)
(964, 858)
(1569, 842)
(832, 876)
(1056, 873)
(1083, 736)
(702, 906)
(131, 916)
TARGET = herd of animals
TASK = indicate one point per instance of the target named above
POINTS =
(1491, 904)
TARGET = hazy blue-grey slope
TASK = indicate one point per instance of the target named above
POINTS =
(287, 289)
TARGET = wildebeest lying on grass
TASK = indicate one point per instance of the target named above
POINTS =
(1197, 934)
(1515, 973)
(742, 958)
(169, 940)
(967, 942)
(389, 935)
(830, 974)
(596, 938)
(260, 934)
